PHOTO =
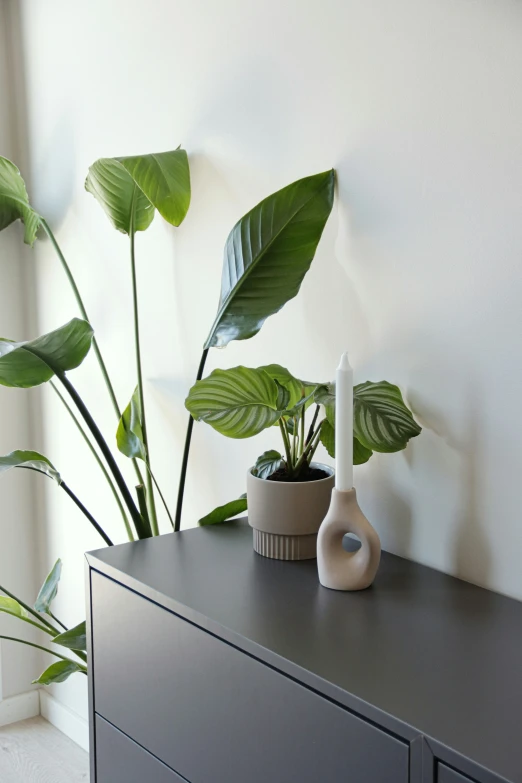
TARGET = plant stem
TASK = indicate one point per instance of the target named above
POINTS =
(312, 445)
(312, 425)
(89, 516)
(139, 523)
(286, 441)
(31, 611)
(98, 460)
(302, 438)
(160, 493)
(186, 450)
(150, 487)
(56, 620)
(45, 649)
(83, 311)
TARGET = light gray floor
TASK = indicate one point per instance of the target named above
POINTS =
(33, 751)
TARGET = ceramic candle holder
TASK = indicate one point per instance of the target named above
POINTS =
(339, 569)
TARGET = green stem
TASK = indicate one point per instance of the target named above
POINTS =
(312, 425)
(286, 441)
(160, 493)
(56, 620)
(150, 487)
(312, 445)
(83, 311)
(186, 450)
(140, 525)
(86, 513)
(302, 439)
(31, 611)
(45, 649)
(98, 460)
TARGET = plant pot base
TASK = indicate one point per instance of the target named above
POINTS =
(279, 547)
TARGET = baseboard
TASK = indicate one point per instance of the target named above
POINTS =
(64, 719)
(19, 707)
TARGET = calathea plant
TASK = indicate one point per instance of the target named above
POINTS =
(267, 256)
(242, 402)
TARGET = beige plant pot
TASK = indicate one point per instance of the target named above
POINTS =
(286, 515)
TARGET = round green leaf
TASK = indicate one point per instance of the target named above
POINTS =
(31, 363)
(238, 403)
(285, 378)
(360, 453)
(31, 460)
(14, 201)
(381, 420)
(164, 178)
(268, 463)
(267, 254)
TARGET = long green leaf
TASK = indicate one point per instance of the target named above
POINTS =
(14, 201)
(129, 435)
(31, 460)
(267, 255)
(58, 672)
(49, 588)
(31, 363)
(238, 403)
(113, 187)
(141, 183)
(74, 639)
(267, 464)
(11, 606)
(381, 420)
(223, 513)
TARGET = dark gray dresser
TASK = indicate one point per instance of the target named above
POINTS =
(211, 664)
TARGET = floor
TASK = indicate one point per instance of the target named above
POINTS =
(33, 751)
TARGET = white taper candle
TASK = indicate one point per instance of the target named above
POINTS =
(344, 425)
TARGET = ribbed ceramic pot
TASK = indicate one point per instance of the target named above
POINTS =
(286, 515)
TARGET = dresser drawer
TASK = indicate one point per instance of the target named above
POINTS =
(447, 775)
(120, 760)
(217, 715)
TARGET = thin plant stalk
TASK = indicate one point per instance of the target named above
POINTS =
(150, 488)
(160, 493)
(286, 441)
(32, 611)
(89, 516)
(83, 669)
(98, 460)
(83, 311)
(310, 448)
(186, 450)
(302, 436)
(312, 425)
(59, 622)
(142, 529)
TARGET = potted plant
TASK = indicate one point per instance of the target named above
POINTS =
(275, 241)
(287, 493)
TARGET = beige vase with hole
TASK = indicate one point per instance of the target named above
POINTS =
(286, 515)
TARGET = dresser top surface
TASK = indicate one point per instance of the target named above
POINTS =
(438, 654)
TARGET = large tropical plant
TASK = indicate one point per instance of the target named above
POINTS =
(266, 258)
(242, 402)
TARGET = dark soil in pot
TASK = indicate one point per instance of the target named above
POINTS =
(312, 474)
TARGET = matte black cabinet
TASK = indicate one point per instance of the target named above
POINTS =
(211, 664)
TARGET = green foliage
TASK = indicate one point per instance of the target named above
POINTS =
(223, 513)
(267, 255)
(267, 464)
(14, 202)
(74, 639)
(131, 189)
(238, 403)
(31, 363)
(31, 460)
(129, 435)
(49, 589)
(381, 420)
(59, 672)
(12, 607)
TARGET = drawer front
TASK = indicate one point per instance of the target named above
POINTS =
(447, 775)
(215, 714)
(120, 760)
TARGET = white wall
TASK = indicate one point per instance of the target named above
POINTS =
(18, 530)
(417, 104)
